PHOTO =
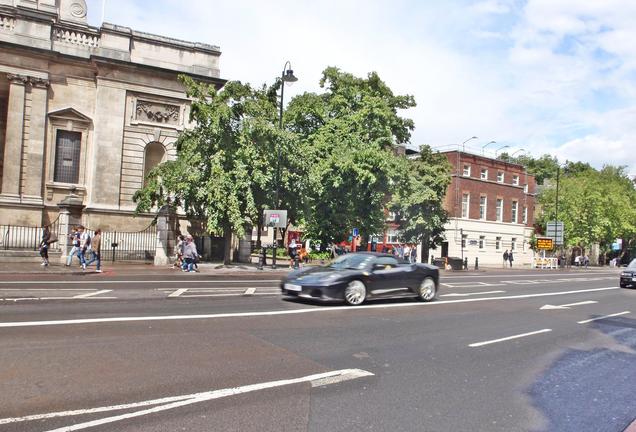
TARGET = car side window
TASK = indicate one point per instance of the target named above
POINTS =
(387, 262)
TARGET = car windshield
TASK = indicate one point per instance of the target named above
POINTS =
(632, 265)
(353, 261)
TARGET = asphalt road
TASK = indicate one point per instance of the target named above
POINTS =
(506, 351)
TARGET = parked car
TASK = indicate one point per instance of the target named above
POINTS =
(358, 277)
(628, 276)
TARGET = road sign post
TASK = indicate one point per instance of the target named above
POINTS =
(275, 219)
(555, 231)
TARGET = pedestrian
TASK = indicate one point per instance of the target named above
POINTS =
(96, 257)
(506, 257)
(407, 253)
(85, 245)
(577, 261)
(292, 251)
(190, 254)
(511, 258)
(413, 255)
(44, 245)
(586, 261)
(75, 243)
(178, 251)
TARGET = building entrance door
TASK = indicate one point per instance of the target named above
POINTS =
(445, 250)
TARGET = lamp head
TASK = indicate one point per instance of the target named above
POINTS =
(289, 76)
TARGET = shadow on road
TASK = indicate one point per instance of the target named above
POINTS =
(592, 390)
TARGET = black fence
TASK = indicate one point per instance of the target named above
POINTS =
(128, 246)
(16, 237)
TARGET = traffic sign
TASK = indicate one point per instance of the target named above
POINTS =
(356, 232)
(555, 231)
(544, 243)
(275, 218)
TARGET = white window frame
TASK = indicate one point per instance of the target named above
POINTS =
(515, 180)
(501, 177)
(482, 242)
(525, 215)
(466, 170)
(464, 241)
(498, 243)
(465, 206)
(484, 174)
(483, 207)
(500, 209)
(513, 244)
(515, 212)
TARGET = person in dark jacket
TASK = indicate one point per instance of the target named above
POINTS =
(44, 245)
(190, 254)
(511, 258)
(96, 244)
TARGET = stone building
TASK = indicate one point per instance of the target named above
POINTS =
(87, 111)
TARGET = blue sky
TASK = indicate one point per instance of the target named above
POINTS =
(547, 76)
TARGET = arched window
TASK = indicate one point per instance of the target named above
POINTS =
(154, 154)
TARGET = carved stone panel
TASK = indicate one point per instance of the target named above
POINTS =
(155, 112)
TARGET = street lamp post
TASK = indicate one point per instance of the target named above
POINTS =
(483, 148)
(518, 151)
(469, 139)
(287, 76)
(500, 149)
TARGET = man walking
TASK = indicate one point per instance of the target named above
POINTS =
(511, 258)
(75, 242)
(96, 243)
(190, 254)
(85, 245)
(506, 256)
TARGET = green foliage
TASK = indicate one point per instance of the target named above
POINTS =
(418, 199)
(224, 171)
(347, 135)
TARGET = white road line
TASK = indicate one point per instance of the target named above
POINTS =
(178, 292)
(241, 294)
(179, 401)
(288, 312)
(480, 344)
(94, 294)
(250, 291)
(128, 282)
(46, 289)
(215, 289)
(472, 294)
(604, 317)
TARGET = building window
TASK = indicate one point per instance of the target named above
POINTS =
(483, 203)
(500, 177)
(525, 215)
(515, 180)
(525, 189)
(465, 206)
(498, 243)
(466, 170)
(391, 237)
(499, 210)
(515, 210)
(513, 246)
(482, 242)
(67, 157)
(484, 174)
(464, 238)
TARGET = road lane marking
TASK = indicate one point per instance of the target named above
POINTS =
(128, 282)
(168, 403)
(604, 317)
(249, 291)
(472, 294)
(178, 292)
(288, 312)
(567, 306)
(480, 344)
(94, 294)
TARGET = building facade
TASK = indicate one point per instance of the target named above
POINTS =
(87, 111)
(491, 204)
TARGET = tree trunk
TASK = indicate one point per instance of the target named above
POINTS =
(227, 252)
(259, 227)
(425, 249)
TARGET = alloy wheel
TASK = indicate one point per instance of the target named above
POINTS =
(427, 290)
(356, 293)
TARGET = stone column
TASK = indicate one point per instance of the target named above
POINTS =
(166, 234)
(33, 176)
(245, 247)
(14, 138)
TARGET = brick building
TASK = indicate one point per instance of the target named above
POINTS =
(491, 203)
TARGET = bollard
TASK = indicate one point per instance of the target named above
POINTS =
(477, 263)
(465, 263)
(262, 260)
(296, 262)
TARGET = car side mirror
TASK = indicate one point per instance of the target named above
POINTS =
(378, 267)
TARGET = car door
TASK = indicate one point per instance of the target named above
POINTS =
(387, 278)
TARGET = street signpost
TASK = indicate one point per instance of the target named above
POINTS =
(555, 231)
(275, 219)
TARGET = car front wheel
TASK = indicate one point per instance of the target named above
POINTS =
(427, 290)
(355, 293)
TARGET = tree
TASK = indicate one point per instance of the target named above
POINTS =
(347, 136)
(419, 201)
(224, 169)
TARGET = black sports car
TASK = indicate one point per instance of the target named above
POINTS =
(357, 277)
(628, 276)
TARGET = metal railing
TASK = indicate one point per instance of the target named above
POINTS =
(129, 246)
(17, 237)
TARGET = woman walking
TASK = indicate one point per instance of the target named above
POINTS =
(44, 245)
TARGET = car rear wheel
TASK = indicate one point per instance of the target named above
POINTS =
(356, 293)
(427, 290)
(623, 285)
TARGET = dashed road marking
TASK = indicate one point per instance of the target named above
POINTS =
(250, 291)
(509, 338)
(604, 317)
(472, 294)
(169, 403)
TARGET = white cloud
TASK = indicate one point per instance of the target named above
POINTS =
(545, 75)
